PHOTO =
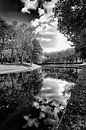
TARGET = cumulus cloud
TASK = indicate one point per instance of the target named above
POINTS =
(48, 6)
(45, 12)
(29, 5)
(45, 39)
(46, 25)
(47, 33)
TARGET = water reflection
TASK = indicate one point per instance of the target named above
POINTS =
(57, 83)
(54, 88)
(68, 74)
(19, 90)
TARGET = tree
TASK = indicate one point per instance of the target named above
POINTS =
(14, 23)
(37, 51)
(72, 22)
(64, 56)
(11, 44)
(6, 36)
(3, 29)
(24, 37)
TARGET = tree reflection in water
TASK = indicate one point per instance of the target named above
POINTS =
(69, 74)
(57, 83)
(57, 79)
(17, 93)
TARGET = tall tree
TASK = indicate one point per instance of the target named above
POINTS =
(11, 44)
(72, 22)
(6, 36)
(25, 34)
(37, 51)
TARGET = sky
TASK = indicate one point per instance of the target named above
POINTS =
(52, 40)
(11, 10)
(41, 16)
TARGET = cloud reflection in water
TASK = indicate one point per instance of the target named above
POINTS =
(53, 90)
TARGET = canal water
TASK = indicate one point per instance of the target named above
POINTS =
(27, 97)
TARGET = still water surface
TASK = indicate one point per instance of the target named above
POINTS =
(19, 89)
(57, 82)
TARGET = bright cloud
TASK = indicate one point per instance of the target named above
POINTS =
(47, 33)
(45, 39)
(28, 5)
(51, 39)
(57, 43)
(46, 26)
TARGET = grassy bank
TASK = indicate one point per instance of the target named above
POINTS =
(12, 68)
(75, 114)
(64, 65)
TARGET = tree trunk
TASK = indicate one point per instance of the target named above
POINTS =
(76, 60)
(12, 55)
(30, 61)
(21, 59)
(1, 58)
(2, 50)
(82, 60)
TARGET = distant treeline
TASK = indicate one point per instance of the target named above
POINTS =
(66, 56)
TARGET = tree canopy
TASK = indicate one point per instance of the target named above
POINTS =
(18, 39)
(72, 22)
(37, 51)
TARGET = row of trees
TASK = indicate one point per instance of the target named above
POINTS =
(18, 43)
(66, 56)
(71, 16)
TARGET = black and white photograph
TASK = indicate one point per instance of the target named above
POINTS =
(42, 65)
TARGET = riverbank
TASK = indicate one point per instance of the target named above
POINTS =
(13, 68)
(75, 114)
(64, 65)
